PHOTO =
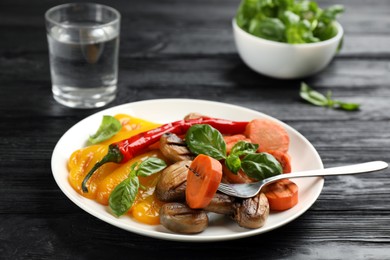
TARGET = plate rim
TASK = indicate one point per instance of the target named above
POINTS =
(174, 236)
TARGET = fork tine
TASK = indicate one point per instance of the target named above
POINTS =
(245, 190)
(227, 189)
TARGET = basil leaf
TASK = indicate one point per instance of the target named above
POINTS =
(233, 162)
(204, 139)
(290, 18)
(287, 20)
(246, 11)
(107, 129)
(326, 31)
(330, 14)
(242, 147)
(150, 166)
(319, 99)
(347, 106)
(260, 166)
(123, 196)
(268, 28)
(312, 96)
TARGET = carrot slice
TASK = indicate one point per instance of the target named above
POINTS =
(269, 135)
(240, 177)
(203, 178)
(281, 195)
(283, 158)
(231, 140)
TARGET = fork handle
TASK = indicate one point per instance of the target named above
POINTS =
(342, 170)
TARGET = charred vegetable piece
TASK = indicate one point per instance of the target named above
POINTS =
(123, 151)
(172, 183)
(179, 218)
(193, 116)
(174, 148)
(222, 204)
(252, 212)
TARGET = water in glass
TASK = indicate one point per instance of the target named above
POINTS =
(84, 64)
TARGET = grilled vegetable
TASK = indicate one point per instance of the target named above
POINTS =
(174, 148)
(179, 218)
(172, 183)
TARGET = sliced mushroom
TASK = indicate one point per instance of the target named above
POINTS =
(172, 183)
(252, 212)
(248, 213)
(174, 148)
(193, 116)
(222, 204)
(179, 218)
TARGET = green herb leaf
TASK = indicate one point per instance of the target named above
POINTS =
(268, 28)
(150, 166)
(290, 21)
(246, 12)
(260, 166)
(330, 14)
(108, 128)
(242, 148)
(123, 196)
(204, 139)
(346, 106)
(326, 31)
(312, 96)
(319, 99)
(233, 162)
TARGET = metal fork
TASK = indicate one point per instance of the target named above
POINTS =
(249, 190)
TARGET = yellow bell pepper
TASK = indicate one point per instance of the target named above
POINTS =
(82, 160)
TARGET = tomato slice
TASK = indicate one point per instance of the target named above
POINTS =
(203, 178)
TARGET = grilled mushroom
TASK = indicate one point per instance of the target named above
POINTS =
(179, 218)
(252, 212)
(248, 213)
(222, 204)
(174, 148)
(172, 183)
(193, 116)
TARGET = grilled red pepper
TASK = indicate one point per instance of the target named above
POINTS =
(123, 151)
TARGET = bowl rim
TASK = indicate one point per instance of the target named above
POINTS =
(337, 37)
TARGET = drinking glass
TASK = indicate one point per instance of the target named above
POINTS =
(83, 41)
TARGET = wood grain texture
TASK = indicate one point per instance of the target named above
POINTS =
(185, 49)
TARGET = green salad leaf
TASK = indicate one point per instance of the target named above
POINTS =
(107, 129)
(261, 165)
(243, 147)
(204, 139)
(318, 99)
(124, 194)
(233, 162)
(150, 166)
(290, 21)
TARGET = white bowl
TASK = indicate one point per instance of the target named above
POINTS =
(283, 60)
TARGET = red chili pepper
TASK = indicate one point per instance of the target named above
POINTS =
(125, 150)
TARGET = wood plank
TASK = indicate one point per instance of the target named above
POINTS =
(184, 41)
(366, 29)
(80, 236)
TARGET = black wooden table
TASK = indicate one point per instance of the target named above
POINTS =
(184, 49)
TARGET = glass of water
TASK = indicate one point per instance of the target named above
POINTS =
(83, 45)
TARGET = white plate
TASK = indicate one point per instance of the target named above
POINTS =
(304, 157)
